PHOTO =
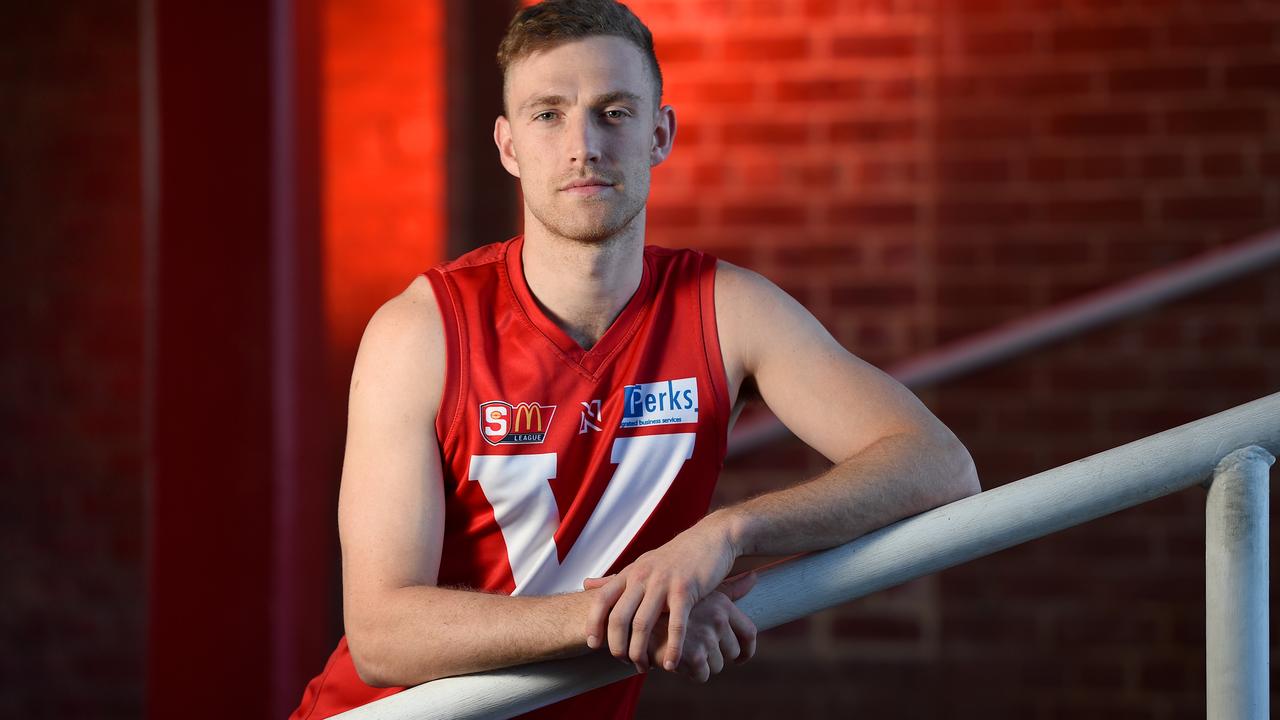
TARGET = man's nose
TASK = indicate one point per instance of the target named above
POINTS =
(584, 139)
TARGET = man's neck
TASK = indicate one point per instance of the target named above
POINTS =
(583, 286)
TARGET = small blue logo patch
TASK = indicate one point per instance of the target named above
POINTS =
(667, 402)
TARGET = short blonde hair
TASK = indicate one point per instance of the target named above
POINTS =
(552, 22)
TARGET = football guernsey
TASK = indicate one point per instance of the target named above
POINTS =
(561, 463)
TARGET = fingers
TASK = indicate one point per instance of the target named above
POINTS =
(718, 632)
(715, 661)
(593, 583)
(696, 667)
(641, 626)
(741, 626)
(620, 621)
(703, 662)
(744, 631)
(599, 613)
(730, 648)
(677, 625)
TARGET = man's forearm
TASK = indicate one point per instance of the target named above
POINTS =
(894, 478)
(422, 633)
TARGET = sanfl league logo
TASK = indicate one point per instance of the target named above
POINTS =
(526, 423)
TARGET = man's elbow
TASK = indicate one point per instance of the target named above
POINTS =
(962, 476)
(967, 479)
(371, 666)
(957, 476)
(376, 664)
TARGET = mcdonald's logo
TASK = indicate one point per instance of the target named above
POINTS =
(526, 423)
(531, 413)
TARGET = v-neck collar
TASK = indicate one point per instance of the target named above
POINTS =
(621, 330)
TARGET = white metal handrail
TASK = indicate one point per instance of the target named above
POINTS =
(1075, 316)
(1232, 449)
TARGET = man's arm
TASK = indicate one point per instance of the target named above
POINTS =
(893, 459)
(401, 628)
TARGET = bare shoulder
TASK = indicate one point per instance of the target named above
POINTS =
(743, 292)
(735, 280)
(753, 315)
(402, 351)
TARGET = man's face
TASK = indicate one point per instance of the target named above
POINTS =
(583, 112)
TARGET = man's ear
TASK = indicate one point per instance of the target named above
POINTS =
(664, 135)
(506, 151)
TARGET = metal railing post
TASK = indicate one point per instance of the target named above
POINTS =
(1236, 623)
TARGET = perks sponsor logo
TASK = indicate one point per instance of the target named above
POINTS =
(668, 402)
(502, 423)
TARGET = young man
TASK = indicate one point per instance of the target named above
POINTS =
(550, 413)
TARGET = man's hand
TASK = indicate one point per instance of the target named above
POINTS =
(717, 633)
(672, 579)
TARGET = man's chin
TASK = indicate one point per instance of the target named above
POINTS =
(593, 230)
(588, 235)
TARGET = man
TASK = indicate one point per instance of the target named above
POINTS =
(536, 427)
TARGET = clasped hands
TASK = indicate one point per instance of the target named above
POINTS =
(673, 607)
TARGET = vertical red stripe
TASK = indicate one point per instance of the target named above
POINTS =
(210, 407)
(384, 131)
(303, 482)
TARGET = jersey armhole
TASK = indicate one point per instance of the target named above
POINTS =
(455, 360)
(711, 346)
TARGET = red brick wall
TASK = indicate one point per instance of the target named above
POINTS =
(383, 145)
(801, 126)
(72, 517)
(916, 171)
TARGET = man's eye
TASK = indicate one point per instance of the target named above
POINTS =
(616, 114)
(548, 115)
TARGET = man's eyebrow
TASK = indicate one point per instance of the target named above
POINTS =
(605, 99)
(542, 100)
(616, 96)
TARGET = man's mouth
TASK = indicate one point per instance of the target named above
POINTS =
(587, 187)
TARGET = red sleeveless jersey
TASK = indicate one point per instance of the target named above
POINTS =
(559, 463)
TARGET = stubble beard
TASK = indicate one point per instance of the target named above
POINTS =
(569, 220)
